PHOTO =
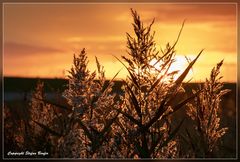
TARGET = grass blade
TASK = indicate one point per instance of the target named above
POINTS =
(108, 86)
(155, 84)
(179, 34)
(47, 129)
(108, 125)
(157, 115)
(141, 151)
(184, 102)
(191, 141)
(104, 88)
(134, 79)
(155, 143)
(85, 129)
(172, 135)
(132, 119)
(54, 104)
(135, 102)
(184, 74)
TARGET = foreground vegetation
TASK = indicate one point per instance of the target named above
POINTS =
(142, 122)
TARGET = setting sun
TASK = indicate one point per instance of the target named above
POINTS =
(178, 65)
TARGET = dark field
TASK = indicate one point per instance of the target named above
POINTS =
(17, 92)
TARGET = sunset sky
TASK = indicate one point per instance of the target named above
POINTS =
(40, 39)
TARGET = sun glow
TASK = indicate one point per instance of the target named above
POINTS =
(178, 66)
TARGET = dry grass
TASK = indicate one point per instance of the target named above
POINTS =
(99, 123)
(205, 112)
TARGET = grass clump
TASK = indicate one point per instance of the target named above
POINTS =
(99, 123)
(205, 112)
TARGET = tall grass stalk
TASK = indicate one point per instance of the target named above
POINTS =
(205, 111)
(149, 95)
(99, 123)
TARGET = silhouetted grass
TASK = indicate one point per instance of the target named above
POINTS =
(146, 115)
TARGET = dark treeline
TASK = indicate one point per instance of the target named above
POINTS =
(18, 84)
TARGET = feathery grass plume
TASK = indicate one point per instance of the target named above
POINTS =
(80, 87)
(140, 123)
(41, 121)
(40, 111)
(13, 132)
(32, 134)
(92, 117)
(205, 111)
(149, 92)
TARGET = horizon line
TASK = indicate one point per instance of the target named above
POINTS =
(116, 79)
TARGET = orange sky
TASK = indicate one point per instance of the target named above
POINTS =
(40, 39)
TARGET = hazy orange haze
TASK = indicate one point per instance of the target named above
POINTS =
(40, 39)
